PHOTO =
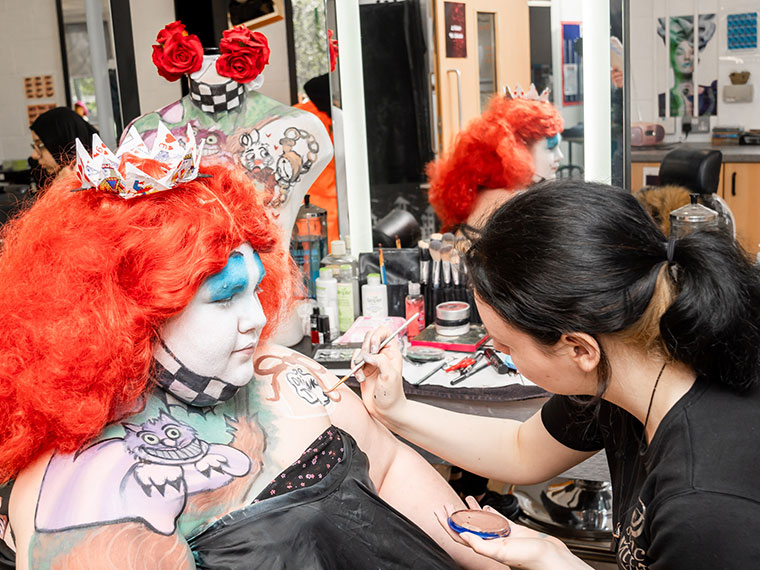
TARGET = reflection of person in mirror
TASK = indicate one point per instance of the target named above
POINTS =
(682, 57)
(513, 144)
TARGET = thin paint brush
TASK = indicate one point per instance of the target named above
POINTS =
(381, 260)
(360, 362)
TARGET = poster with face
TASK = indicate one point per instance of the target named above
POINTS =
(690, 85)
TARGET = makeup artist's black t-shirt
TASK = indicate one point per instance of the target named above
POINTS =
(692, 499)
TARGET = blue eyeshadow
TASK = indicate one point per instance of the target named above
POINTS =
(552, 142)
(230, 280)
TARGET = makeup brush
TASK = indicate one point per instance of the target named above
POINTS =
(439, 237)
(360, 362)
(435, 253)
(424, 261)
(454, 261)
(449, 238)
(381, 261)
(446, 263)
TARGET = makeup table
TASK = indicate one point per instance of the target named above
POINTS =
(486, 394)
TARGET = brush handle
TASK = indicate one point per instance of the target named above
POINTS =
(436, 274)
(446, 273)
(455, 274)
(424, 270)
(463, 377)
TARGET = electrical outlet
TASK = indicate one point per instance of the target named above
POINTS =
(700, 124)
(669, 124)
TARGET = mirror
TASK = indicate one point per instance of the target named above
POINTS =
(430, 65)
(79, 76)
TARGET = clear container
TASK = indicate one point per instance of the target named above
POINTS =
(308, 244)
(414, 303)
(339, 256)
(691, 217)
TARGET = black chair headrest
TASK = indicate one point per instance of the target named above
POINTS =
(697, 170)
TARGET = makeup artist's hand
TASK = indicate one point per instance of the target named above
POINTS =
(381, 383)
(523, 548)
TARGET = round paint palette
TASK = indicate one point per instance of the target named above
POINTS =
(424, 353)
(481, 523)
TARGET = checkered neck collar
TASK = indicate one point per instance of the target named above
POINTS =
(218, 97)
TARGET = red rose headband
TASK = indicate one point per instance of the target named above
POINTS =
(244, 53)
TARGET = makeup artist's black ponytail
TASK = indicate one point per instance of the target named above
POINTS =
(714, 321)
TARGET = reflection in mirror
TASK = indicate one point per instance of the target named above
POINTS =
(420, 89)
(80, 77)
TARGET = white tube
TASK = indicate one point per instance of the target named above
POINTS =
(597, 108)
(354, 126)
(97, 40)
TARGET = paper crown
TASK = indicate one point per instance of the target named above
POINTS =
(180, 160)
(531, 95)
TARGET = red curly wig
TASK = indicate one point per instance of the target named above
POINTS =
(493, 151)
(87, 279)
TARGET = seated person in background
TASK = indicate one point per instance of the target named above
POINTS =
(148, 423)
(513, 144)
(53, 135)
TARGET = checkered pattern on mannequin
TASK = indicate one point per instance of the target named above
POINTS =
(193, 389)
(217, 98)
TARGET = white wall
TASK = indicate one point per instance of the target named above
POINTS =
(276, 78)
(30, 47)
(645, 67)
(148, 17)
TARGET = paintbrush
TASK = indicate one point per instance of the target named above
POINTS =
(435, 253)
(381, 261)
(454, 261)
(360, 362)
(424, 261)
(446, 263)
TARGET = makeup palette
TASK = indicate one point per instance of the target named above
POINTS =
(480, 523)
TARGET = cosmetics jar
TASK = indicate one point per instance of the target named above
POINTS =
(452, 318)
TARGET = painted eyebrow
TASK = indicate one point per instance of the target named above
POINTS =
(230, 280)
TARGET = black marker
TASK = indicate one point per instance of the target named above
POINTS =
(469, 373)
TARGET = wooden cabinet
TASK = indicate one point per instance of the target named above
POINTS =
(637, 174)
(741, 191)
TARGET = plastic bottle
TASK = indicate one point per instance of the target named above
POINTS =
(308, 244)
(338, 257)
(415, 303)
(347, 309)
(327, 298)
(374, 297)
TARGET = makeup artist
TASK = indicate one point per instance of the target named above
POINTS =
(512, 144)
(651, 349)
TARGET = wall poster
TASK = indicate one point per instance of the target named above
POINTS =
(688, 48)
(572, 63)
(456, 31)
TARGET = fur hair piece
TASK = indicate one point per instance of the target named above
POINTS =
(493, 151)
(87, 280)
(659, 201)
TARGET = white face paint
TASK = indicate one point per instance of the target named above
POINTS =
(546, 158)
(217, 333)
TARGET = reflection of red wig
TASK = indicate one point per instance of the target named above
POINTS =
(87, 280)
(493, 151)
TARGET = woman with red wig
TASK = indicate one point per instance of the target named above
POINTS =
(513, 144)
(146, 422)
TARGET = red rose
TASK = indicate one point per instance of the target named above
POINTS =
(333, 47)
(177, 52)
(169, 30)
(244, 54)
